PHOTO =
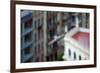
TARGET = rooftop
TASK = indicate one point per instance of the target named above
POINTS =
(83, 38)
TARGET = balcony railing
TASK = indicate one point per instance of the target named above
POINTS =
(26, 57)
(26, 44)
(27, 31)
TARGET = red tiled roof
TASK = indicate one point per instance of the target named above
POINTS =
(83, 38)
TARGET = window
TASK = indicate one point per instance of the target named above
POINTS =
(42, 48)
(74, 56)
(39, 48)
(21, 27)
(39, 22)
(42, 20)
(22, 42)
(69, 52)
(73, 18)
(35, 50)
(28, 24)
(28, 37)
(71, 22)
(35, 24)
(35, 37)
(55, 56)
(55, 45)
(80, 58)
(28, 50)
(47, 58)
(49, 21)
(87, 20)
(22, 55)
(39, 35)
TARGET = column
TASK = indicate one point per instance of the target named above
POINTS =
(45, 35)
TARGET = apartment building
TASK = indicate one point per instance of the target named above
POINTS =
(26, 35)
(43, 34)
(45, 25)
(39, 35)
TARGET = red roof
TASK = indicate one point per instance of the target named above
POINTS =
(83, 38)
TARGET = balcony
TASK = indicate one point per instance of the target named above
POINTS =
(27, 31)
(26, 44)
(25, 15)
(26, 57)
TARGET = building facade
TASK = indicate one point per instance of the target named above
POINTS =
(26, 36)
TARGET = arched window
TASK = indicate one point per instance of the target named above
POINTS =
(69, 52)
(74, 56)
(80, 58)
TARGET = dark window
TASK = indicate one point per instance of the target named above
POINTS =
(80, 58)
(38, 35)
(42, 33)
(38, 22)
(49, 21)
(69, 52)
(47, 58)
(35, 37)
(73, 18)
(28, 24)
(87, 20)
(42, 45)
(28, 50)
(74, 56)
(56, 56)
(28, 37)
(39, 48)
(35, 50)
(55, 45)
(42, 21)
(51, 34)
(22, 42)
(35, 24)
(80, 19)
(22, 55)
(71, 22)
(21, 27)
